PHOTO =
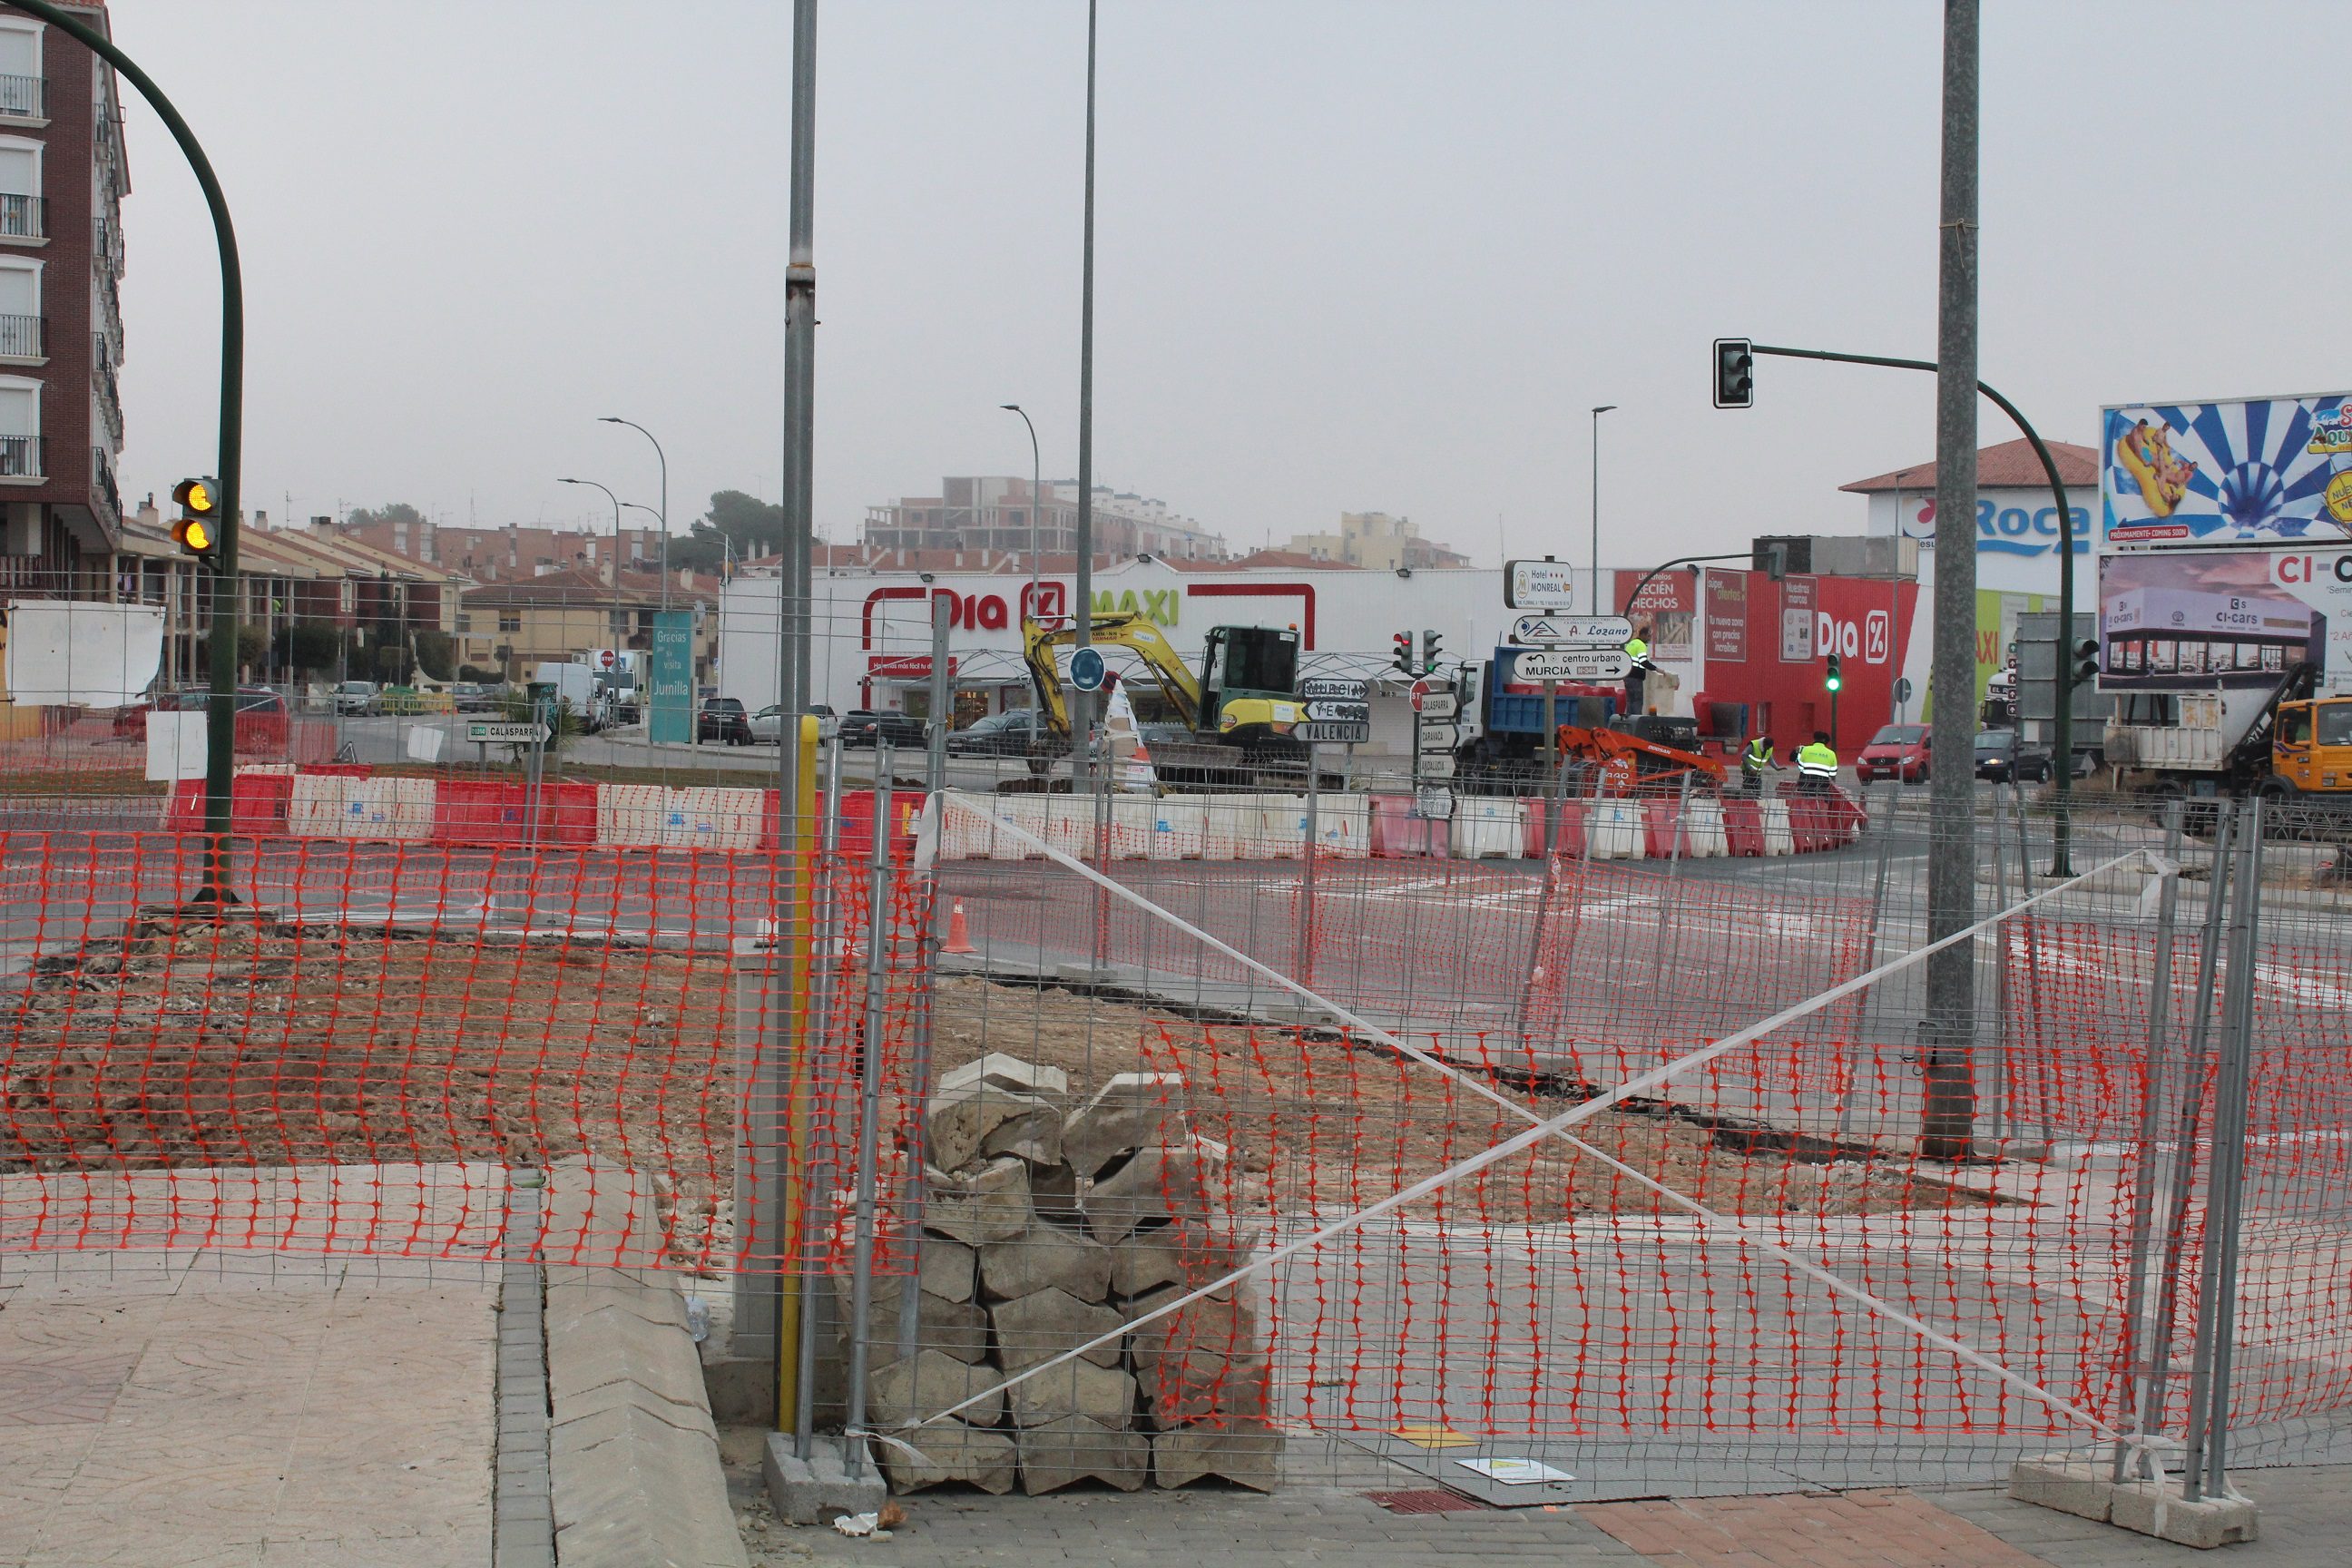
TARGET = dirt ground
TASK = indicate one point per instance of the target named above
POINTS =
(1331, 1125)
(191, 1043)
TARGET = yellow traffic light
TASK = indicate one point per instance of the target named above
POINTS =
(197, 498)
(192, 531)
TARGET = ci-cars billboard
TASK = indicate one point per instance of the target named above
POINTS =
(2185, 620)
(2266, 470)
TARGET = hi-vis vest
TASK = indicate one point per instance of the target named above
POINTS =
(1817, 761)
(1638, 651)
(1758, 755)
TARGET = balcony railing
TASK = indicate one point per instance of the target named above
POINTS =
(22, 95)
(22, 457)
(101, 479)
(110, 401)
(23, 217)
(21, 337)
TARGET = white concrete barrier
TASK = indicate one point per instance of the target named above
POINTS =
(1618, 831)
(631, 816)
(1278, 831)
(1703, 834)
(1180, 828)
(397, 809)
(1488, 828)
(1226, 820)
(711, 819)
(1777, 839)
(1025, 811)
(1343, 827)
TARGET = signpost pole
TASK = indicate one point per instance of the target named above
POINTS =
(1552, 756)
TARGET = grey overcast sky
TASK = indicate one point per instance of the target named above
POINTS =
(1353, 254)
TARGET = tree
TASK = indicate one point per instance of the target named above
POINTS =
(437, 654)
(252, 648)
(744, 522)
(312, 645)
(391, 512)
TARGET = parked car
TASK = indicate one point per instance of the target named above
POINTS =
(1898, 752)
(768, 723)
(472, 697)
(722, 718)
(2000, 758)
(356, 696)
(263, 722)
(1005, 734)
(867, 727)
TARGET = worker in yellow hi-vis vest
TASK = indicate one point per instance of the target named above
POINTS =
(1637, 650)
(1817, 762)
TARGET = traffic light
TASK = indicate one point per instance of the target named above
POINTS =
(1735, 378)
(2086, 660)
(1833, 680)
(1402, 657)
(196, 529)
(1429, 653)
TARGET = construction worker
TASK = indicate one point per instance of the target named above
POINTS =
(1817, 763)
(1755, 761)
(1637, 649)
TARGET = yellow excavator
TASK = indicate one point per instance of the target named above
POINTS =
(1229, 725)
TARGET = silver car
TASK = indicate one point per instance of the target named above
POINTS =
(768, 723)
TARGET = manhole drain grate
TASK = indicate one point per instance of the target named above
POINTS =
(1427, 1502)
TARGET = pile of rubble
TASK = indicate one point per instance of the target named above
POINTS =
(1049, 1226)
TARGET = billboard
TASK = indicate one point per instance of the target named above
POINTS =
(2210, 619)
(2264, 469)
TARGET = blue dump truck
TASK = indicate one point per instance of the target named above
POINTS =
(1502, 745)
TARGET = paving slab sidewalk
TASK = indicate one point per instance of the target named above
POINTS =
(2306, 1519)
(191, 1405)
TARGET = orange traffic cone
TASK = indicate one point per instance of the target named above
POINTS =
(958, 933)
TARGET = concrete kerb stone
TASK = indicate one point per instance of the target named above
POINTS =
(634, 1465)
(816, 1489)
(2067, 1483)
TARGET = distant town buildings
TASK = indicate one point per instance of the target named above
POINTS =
(982, 513)
(1376, 540)
(505, 554)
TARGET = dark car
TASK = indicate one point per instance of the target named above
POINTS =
(1998, 758)
(1898, 752)
(1004, 735)
(262, 718)
(722, 718)
(866, 727)
(472, 697)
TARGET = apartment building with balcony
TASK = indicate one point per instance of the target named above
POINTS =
(63, 175)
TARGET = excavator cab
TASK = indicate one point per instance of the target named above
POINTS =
(2311, 746)
(1249, 683)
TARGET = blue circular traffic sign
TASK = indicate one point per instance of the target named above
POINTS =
(1087, 669)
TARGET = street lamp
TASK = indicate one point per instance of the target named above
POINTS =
(1036, 478)
(664, 513)
(1597, 413)
(1036, 475)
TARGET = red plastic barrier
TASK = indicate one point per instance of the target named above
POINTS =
(1658, 829)
(1568, 840)
(1396, 832)
(481, 811)
(1743, 824)
(567, 812)
(257, 804)
(1822, 821)
(857, 822)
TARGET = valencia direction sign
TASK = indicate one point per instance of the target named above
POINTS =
(1571, 664)
(1599, 631)
(1333, 732)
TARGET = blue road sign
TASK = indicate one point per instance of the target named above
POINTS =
(1087, 669)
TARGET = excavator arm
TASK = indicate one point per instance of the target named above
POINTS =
(1627, 762)
(1130, 632)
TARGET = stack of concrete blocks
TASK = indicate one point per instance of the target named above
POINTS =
(1051, 1226)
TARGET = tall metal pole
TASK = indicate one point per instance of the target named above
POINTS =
(1082, 704)
(1594, 602)
(664, 514)
(1949, 1124)
(220, 642)
(786, 1025)
(1036, 488)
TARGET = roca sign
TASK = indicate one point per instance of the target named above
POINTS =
(2009, 530)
